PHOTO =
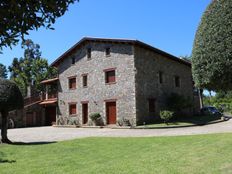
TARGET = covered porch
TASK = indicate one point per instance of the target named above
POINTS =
(49, 101)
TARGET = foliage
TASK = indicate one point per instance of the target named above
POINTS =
(223, 104)
(31, 69)
(3, 71)
(95, 116)
(10, 95)
(176, 102)
(186, 58)
(166, 115)
(19, 16)
(212, 53)
(10, 99)
(162, 155)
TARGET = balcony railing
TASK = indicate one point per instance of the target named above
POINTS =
(39, 98)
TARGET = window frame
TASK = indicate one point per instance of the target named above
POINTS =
(108, 51)
(70, 109)
(84, 83)
(89, 53)
(73, 59)
(107, 71)
(69, 85)
(177, 81)
(161, 77)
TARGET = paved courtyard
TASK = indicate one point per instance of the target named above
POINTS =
(50, 134)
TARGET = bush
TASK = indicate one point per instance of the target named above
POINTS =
(178, 103)
(166, 115)
(95, 116)
(97, 119)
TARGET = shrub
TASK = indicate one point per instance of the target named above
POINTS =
(97, 119)
(166, 115)
(177, 103)
(95, 116)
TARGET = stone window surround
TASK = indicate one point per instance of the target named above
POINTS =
(107, 70)
(89, 53)
(160, 77)
(175, 82)
(73, 59)
(107, 51)
(82, 75)
(84, 102)
(69, 104)
(69, 78)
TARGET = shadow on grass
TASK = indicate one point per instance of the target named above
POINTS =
(7, 161)
(33, 143)
(2, 160)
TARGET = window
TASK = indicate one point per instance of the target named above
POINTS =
(108, 51)
(72, 83)
(72, 108)
(110, 76)
(73, 60)
(177, 81)
(85, 80)
(160, 77)
(151, 104)
(89, 53)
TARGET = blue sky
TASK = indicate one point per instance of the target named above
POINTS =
(169, 25)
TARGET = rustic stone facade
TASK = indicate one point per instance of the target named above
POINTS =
(148, 65)
(136, 71)
(97, 92)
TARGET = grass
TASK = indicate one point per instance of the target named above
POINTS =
(183, 154)
(184, 121)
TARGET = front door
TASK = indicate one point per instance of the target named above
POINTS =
(50, 113)
(85, 113)
(111, 112)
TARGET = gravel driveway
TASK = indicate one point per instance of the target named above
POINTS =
(50, 134)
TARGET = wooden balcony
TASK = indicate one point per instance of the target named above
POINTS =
(40, 98)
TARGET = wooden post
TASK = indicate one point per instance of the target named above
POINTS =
(200, 93)
(46, 94)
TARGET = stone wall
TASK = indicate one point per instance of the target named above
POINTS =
(148, 64)
(33, 115)
(121, 58)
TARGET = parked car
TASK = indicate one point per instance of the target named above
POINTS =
(210, 110)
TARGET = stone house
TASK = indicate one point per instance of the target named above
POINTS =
(119, 78)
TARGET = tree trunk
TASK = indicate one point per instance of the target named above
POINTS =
(200, 92)
(4, 127)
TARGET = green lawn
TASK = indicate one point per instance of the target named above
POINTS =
(184, 154)
(184, 121)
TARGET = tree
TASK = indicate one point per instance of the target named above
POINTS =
(212, 50)
(10, 99)
(30, 70)
(17, 17)
(3, 71)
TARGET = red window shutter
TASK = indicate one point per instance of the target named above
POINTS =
(110, 76)
(72, 109)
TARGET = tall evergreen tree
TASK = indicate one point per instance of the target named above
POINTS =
(3, 71)
(30, 70)
(212, 51)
